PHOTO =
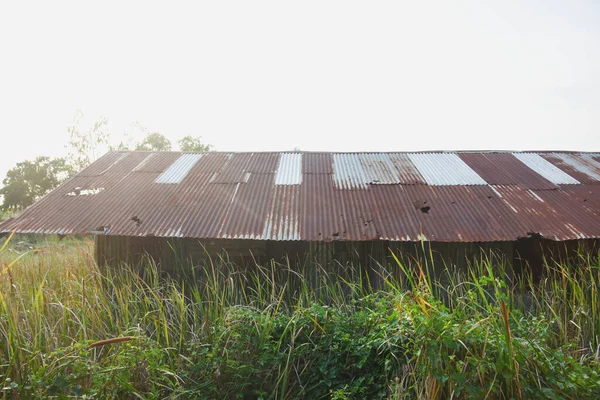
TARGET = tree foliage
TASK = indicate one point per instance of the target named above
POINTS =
(190, 144)
(30, 180)
(85, 146)
(154, 142)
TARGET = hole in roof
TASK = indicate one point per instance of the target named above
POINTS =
(84, 192)
(101, 230)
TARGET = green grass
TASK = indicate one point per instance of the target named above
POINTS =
(274, 332)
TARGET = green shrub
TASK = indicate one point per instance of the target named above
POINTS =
(125, 370)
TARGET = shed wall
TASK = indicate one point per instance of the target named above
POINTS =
(376, 257)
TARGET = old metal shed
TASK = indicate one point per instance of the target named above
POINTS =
(331, 206)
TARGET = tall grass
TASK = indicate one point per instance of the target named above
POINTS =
(68, 328)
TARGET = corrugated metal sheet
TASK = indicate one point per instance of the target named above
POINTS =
(289, 171)
(103, 164)
(587, 195)
(582, 167)
(157, 164)
(356, 171)
(444, 169)
(546, 169)
(245, 217)
(461, 214)
(317, 163)
(263, 163)
(211, 163)
(234, 171)
(553, 214)
(179, 169)
(325, 197)
(505, 169)
(589, 164)
(379, 169)
(145, 161)
(408, 173)
(348, 172)
(283, 219)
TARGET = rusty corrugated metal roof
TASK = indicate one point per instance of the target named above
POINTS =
(505, 169)
(582, 167)
(441, 196)
(407, 171)
(546, 169)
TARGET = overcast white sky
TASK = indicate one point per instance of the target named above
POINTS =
(317, 75)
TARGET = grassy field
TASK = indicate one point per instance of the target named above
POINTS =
(69, 330)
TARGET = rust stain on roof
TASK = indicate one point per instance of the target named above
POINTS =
(505, 169)
(327, 196)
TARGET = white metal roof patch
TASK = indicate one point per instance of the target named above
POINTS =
(289, 171)
(379, 169)
(348, 172)
(179, 169)
(144, 162)
(582, 162)
(445, 169)
(546, 169)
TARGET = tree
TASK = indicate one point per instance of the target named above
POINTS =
(126, 139)
(30, 180)
(192, 144)
(86, 146)
(154, 142)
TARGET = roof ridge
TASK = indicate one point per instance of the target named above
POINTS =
(363, 152)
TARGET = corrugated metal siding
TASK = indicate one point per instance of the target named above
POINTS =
(545, 169)
(444, 169)
(354, 197)
(179, 169)
(289, 171)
